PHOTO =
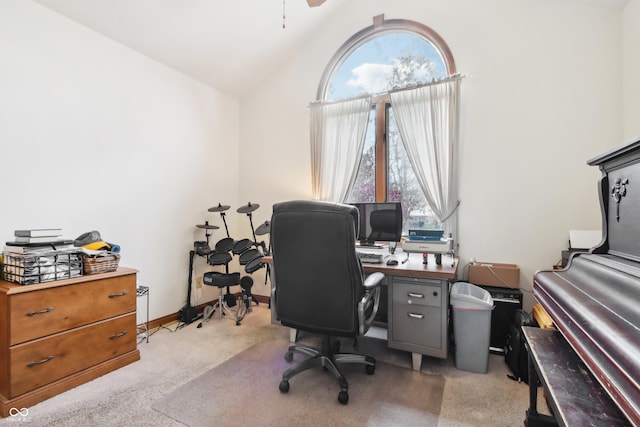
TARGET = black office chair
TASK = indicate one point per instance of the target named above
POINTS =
(319, 284)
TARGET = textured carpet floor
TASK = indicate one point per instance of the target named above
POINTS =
(244, 390)
(173, 358)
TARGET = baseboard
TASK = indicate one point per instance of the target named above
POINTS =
(172, 318)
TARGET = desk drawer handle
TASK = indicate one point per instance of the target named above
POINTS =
(121, 294)
(39, 362)
(33, 313)
(414, 295)
(416, 316)
(121, 334)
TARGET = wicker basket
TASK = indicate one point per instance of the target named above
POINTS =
(100, 263)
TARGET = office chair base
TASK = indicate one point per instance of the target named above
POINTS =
(328, 360)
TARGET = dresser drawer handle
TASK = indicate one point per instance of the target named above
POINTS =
(414, 295)
(121, 294)
(121, 334)
(33, 313)
(40, 362)
(416, 316)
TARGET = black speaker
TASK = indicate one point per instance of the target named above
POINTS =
(187, 314)
(506, 301)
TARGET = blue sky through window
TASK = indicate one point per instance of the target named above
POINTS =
(370, 68)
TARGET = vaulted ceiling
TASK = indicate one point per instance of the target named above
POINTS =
(222, 43)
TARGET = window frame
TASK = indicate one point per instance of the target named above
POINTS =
(381, 102)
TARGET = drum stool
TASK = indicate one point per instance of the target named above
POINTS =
(221, 281)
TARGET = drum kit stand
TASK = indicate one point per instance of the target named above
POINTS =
(249, 253)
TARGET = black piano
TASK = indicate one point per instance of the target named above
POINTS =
(595, 300)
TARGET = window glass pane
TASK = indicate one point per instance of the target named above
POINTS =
(386, 62)
(402, 185)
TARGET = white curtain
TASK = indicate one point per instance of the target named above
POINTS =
(428, 122)
(337, 136)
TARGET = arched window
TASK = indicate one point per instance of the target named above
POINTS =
(389, 55)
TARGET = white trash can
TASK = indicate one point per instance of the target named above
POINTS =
(471, 307)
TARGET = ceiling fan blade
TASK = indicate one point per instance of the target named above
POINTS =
(314, 3)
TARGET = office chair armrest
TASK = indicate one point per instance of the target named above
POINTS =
(371, 298)
(372, 281)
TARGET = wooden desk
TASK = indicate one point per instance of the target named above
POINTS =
(414, 267)
(574, 395)
(417, 304)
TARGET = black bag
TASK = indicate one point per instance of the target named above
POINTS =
(515, 353)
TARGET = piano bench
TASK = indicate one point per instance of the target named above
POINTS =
(574, 396)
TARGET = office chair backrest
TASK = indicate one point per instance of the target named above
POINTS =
(318, 276)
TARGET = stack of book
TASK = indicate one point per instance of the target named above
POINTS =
(39, 240)
(426, 235)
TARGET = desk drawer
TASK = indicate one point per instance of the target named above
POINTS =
(49, 311)
(43, 361)
(417, 294)
(417, 325)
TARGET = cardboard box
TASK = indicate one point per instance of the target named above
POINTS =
(495, 274)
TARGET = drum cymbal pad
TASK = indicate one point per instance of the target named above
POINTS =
(248, 208)
(264, 228)
(219, 208)
(207, 226)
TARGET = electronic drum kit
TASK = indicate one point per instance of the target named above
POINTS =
(249, 252)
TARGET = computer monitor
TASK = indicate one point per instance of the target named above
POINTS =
(379, 222)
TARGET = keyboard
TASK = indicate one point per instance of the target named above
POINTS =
(370, 257)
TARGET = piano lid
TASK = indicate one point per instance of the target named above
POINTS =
(594, 304)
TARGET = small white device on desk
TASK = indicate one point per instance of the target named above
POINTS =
(437, 247)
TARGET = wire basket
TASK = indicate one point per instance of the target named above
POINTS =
(100, 263)
(27, 269)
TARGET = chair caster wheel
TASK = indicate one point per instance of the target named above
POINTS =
(343, 397)
(288, 356)
(284, 386)
(370, 369)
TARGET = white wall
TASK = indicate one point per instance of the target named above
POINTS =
(631, 70)
(541, 97)
(94, 136)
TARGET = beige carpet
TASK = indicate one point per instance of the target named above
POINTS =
(228, 394)
(125, 397)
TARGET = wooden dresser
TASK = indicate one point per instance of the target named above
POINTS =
(57, 335)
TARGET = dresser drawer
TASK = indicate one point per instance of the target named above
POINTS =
(418, 294)
(45, 360)
(49, 311)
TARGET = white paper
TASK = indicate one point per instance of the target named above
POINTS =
(584, 239)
